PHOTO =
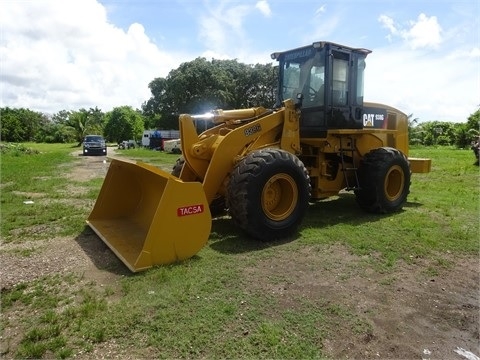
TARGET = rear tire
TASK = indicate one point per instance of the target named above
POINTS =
(384, 177)
(268, 194)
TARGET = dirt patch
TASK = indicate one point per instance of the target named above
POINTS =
(29, 195)
(90, 167)
(410, 314)
(30, 260)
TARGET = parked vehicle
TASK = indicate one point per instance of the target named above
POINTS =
(94, 145)
(172, 146)
(154, 139)
(130, 144)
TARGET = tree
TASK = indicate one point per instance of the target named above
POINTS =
(18, 125)
(412, 133)
(61, 117)
(84, 122)
(461, 135)
(199, 86)
(96, 120)
(123, 123)
(78, 121)
(473, 124)
(446, 133)
(52, 132)
(439, 133)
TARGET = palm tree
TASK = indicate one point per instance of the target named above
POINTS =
(78, 121)
(411, 129)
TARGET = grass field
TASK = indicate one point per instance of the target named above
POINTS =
(212, 306)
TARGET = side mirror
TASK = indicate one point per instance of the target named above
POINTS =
(299, 101)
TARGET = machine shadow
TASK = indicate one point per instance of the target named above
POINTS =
(227, 238)
(104, 259)
(99, 253)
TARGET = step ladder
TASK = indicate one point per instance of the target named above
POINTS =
(348, 150)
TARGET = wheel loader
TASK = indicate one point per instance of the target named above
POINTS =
(265, 166)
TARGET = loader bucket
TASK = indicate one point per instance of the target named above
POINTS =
(148, 217)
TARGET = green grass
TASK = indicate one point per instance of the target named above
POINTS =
(157, 158)
(207, 306)
(37, 176)
(441, 215)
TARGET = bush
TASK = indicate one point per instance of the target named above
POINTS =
(17, 149)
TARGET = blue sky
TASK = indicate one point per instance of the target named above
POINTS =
(70, 54)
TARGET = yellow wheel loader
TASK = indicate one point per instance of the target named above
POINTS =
(264, 165)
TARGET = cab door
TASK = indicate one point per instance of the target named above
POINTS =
(342, 111)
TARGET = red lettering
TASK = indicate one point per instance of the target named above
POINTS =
(190, 210)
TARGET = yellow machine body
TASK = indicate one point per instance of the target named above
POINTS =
(211, 155)
(149, 217)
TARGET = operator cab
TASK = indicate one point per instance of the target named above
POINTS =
(329, 78)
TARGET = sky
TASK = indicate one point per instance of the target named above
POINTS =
(72, 54)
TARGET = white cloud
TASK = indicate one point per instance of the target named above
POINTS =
(388, 23)
(322, 25)
(222, 30)
(264, 8)
(422, 74)
(211, 32)
(321, 10)
(425, 32)
(441, 88)
(474, 53)
(220, 26)
(66, 55)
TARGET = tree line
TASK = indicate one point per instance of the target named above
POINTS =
(194, 87)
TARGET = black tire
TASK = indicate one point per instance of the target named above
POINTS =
(217, 206)
(177, 168)
(268, 194)
(384, 177)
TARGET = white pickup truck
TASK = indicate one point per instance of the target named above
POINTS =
(172, 146)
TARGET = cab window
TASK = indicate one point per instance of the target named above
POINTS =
(306, 77)
(339, 79)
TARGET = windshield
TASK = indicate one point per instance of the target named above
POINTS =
(305, 75)
(92, 138)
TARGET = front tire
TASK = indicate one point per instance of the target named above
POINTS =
(177, 168)
(268, 194)
(384, 177)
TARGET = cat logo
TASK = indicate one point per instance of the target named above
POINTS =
(369, 119)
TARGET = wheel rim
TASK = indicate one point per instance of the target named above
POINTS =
(394, 183)
(279, 197)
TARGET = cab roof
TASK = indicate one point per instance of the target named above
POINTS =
(319, 45)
